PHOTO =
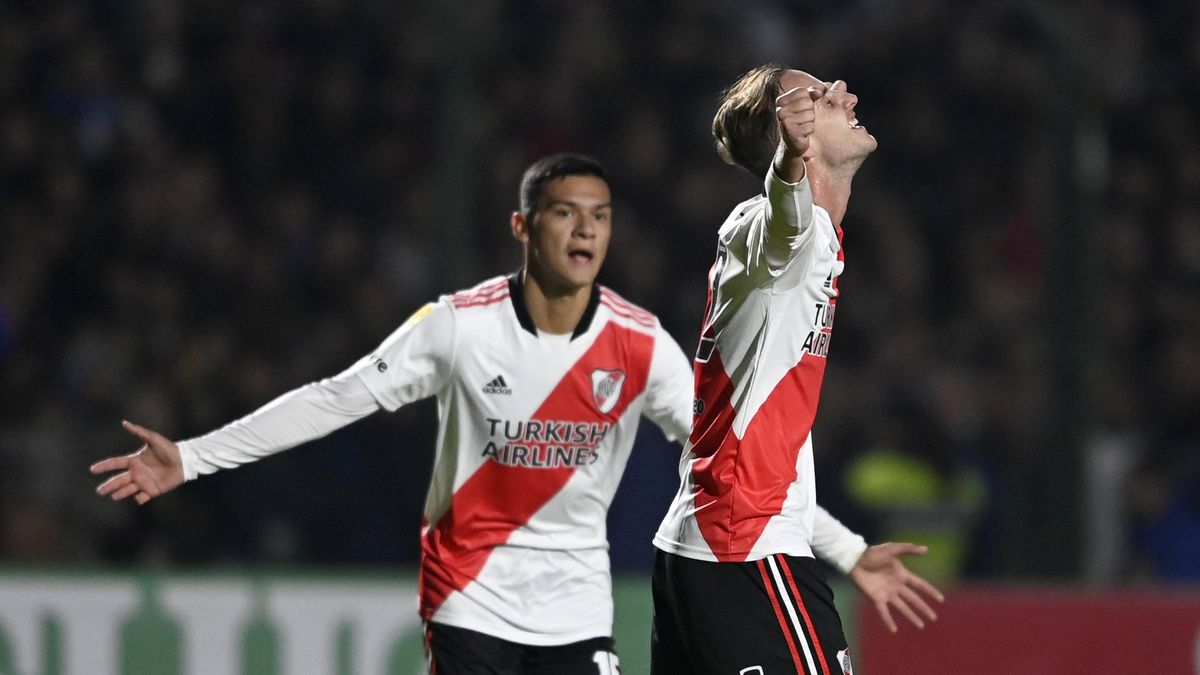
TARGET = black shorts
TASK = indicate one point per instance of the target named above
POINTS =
(765, 617)
(458, 651)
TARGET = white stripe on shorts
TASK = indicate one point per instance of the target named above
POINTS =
(802, 634)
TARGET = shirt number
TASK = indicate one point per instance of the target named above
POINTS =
(607, 663)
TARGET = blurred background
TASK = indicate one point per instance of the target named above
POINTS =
(204, 204)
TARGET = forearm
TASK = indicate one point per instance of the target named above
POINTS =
(301, 415)
(835, 543)
(788, 165)
(789, 216)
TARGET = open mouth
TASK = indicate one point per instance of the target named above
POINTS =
(854, 123)
(579, 255)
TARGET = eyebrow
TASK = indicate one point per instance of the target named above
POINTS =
(555, 202)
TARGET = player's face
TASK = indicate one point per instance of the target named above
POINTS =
(837, 136)
(568, 237)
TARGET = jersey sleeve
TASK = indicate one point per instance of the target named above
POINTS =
(415, 361)
(301, 415)
(670, 387)
(788, 222)
(766, 235)
(835, 543)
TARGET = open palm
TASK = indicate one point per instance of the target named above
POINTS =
(155, 469)
(882, 576)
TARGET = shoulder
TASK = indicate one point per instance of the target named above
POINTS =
(742, 217)
(626, 311)
(824, 228)
(483, 294)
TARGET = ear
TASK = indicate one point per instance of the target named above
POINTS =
(519, 226)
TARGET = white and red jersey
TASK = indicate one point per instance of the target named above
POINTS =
(747, 488)
(534, 434)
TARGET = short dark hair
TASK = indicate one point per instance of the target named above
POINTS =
(546, 169)
(745, 127)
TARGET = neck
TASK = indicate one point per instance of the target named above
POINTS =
(830, 189)
(555, 310)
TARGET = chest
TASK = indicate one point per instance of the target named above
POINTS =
(512, 374)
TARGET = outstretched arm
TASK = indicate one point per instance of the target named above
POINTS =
(789, 205)
(301, 415)
(156, 468)
(881, 575)
(878, 571)
(419, 352)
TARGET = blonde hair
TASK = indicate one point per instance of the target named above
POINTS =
(745, 128)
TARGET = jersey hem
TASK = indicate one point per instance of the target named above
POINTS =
(525, 637)
(697, 553)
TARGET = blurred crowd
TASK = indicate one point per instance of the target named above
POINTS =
(204, 204)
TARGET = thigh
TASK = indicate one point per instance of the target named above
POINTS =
(768, 616)
(458, 651)
(596, 656)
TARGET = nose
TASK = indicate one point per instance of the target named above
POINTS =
(584, 226)
(842, 92)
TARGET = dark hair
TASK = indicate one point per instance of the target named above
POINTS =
(547, 169)
(745, 127)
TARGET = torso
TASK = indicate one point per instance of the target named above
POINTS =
(747, 473)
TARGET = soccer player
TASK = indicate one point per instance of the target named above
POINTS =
(541, 378)
(736, 588)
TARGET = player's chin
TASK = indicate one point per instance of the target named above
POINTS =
(585, 278)
(866, 147)
(868, 141)
(579, 275)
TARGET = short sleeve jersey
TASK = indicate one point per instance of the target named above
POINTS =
(534, 433)
(746, 473)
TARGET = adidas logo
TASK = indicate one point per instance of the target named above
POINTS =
(497, 386)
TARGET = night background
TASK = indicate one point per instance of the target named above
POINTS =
(206, 204)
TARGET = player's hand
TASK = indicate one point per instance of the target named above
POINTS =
(883, 578)
(797, 114)
(156, 468)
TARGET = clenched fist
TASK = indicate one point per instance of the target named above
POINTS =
(796, 111)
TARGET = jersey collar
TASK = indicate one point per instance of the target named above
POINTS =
(516, 293)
